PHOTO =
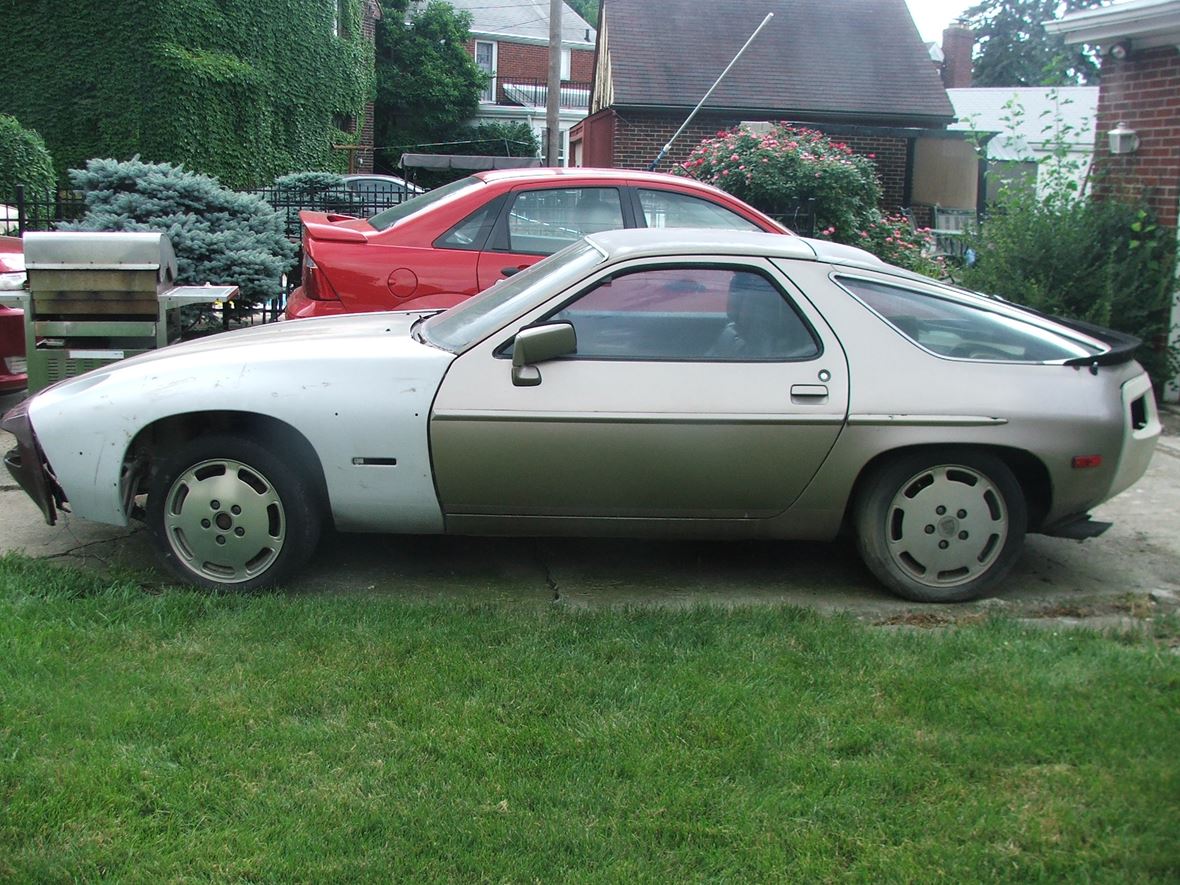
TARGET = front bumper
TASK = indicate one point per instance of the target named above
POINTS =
(28, 466)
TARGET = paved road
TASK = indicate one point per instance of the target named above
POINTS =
(1140, 555)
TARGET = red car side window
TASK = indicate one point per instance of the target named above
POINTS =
(543, 221)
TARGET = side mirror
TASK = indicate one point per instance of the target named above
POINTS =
(536, 345)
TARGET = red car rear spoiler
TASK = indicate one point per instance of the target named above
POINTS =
(323, 226)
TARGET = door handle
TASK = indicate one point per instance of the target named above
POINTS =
(509, 271)
(809, 392)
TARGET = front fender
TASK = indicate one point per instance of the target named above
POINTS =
(361, 401)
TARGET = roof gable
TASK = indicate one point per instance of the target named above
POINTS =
(853, 58)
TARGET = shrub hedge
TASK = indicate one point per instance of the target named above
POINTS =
(24, 158)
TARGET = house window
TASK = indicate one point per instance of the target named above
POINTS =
(340, 18)
(485, 60)
(566, 64)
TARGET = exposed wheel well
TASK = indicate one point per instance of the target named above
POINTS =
(1032, 475)
(170, 432)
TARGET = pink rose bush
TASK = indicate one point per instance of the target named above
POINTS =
(894, 238)
(777, 171)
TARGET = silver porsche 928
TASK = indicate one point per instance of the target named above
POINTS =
(638, 383)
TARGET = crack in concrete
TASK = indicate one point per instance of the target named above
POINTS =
(76, 549)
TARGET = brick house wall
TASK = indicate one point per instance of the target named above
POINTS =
(1142, 91)
(638, 137)
(528, 61)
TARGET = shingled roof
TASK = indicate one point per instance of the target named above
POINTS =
(856, 59)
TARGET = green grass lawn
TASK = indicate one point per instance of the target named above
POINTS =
(186, 737)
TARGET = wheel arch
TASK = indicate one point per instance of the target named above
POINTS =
(174, 430)
(1030, 472)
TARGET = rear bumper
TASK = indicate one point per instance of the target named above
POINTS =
(299, 306)
(12, 346)
(11, 381)
(28, 466)
(1141, 429)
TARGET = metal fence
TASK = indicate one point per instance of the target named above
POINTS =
(28, 209)
(534, 93)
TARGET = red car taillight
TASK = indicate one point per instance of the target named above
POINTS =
(315, 285)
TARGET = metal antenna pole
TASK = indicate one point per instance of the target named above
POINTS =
(664, 150)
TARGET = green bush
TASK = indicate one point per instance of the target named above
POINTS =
(427, 81)
(1102, 261)
(24, 158)
(317, 191)
(219, 236)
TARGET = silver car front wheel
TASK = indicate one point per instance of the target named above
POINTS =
(941, 529)
(227, 514)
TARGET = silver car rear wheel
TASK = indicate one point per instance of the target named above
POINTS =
(941, 529)
(226, 514)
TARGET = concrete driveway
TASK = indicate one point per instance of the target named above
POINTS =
(1136, 564)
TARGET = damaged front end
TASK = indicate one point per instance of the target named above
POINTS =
(28, 465)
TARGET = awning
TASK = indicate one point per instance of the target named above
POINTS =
(466, 161)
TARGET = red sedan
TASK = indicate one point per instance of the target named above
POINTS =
(447, 244)
(12, 320)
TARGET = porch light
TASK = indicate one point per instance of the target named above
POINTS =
(1120, 50)
(1123, 139)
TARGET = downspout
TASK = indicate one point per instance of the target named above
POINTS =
(1171, 391)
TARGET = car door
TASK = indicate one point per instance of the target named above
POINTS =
(676, 404)
(539, 221)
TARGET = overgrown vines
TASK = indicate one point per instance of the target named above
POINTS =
(242, 89)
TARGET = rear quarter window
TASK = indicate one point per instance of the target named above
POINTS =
(959, 330)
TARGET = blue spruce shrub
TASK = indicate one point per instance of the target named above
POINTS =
(220, 236)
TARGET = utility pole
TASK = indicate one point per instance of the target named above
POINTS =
(553, 99)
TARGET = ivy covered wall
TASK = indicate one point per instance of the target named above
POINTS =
(242, 89)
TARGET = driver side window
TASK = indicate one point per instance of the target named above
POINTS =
(715, 314)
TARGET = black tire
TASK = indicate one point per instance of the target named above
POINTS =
(941, 525)
(227, 514)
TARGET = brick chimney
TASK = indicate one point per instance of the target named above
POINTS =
(957, 45)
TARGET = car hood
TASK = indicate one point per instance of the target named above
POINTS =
(301, 351)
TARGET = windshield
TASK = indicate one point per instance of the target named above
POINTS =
(394, 214)
(476, 318)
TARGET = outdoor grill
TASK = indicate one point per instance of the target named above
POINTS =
(95, 298)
